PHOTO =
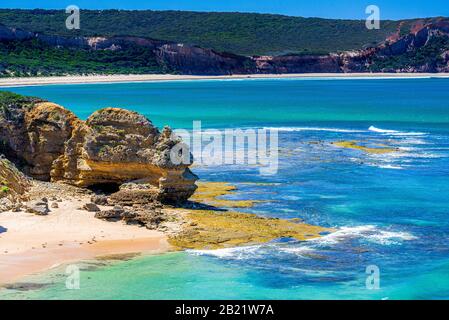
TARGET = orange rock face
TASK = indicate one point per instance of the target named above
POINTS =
(119, 146)
(113, 146)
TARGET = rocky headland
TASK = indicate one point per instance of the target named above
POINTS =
(79, 189)
(113, 148)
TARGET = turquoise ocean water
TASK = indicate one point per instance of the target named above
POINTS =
(390, 210)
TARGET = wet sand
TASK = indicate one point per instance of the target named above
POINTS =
(30, 244)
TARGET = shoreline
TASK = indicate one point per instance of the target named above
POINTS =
(18, 267)
(37, 81)
(31, 244)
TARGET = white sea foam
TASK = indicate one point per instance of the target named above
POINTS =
(389, 166)
(291, 198)
(374, 129)
(406, 134)
(400, 156)
(367, 232)
(412, 141)
(293, 129)
(395, 132)
(238, 253)
(389, 237)
(300, 251)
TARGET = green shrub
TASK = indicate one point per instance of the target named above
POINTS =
(240, 33)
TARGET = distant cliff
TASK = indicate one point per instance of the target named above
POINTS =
(419, 47)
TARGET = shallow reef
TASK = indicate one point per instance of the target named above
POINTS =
(371, 150)
(217, 228)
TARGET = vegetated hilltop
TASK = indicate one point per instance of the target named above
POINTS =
(239, 33)
(420, 45)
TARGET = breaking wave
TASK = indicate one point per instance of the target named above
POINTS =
(237, 253)
(395, 132)
(368, 232)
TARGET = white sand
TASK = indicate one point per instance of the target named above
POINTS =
(33, 243)
(32, 81)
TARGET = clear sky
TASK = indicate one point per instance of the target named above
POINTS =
(343, 9)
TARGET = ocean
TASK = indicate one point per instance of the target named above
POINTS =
(390, 210)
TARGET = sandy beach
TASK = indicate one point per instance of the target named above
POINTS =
(30, 244)
(34, 81)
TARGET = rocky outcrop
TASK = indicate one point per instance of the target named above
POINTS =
(113, 147)
(195, 60)
(422, 49)
(298, 64)
(118, 146)
(13, 185)
(33, 133)
(208, 225)
(39, 207)
(95, 43)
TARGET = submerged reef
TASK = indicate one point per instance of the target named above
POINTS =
(371, 150)
(214, 228)
(211, 193)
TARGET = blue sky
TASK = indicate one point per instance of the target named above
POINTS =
(351, 9)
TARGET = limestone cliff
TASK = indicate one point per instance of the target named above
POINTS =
(33, 132)
(13, 184)
(114, 146)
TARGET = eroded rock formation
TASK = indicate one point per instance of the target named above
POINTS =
(13, 185)
(33, 132)
(114, 146)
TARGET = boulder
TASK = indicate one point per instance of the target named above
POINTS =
(6, 204)
(116, 213)
(134, 193)
(91, 207)
(39, 208)
(100, 200)
(13, 185)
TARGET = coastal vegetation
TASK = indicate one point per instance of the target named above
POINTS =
(152, 42)
(240, 33)
(8, 99)
(35, 58)
(432, 55)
